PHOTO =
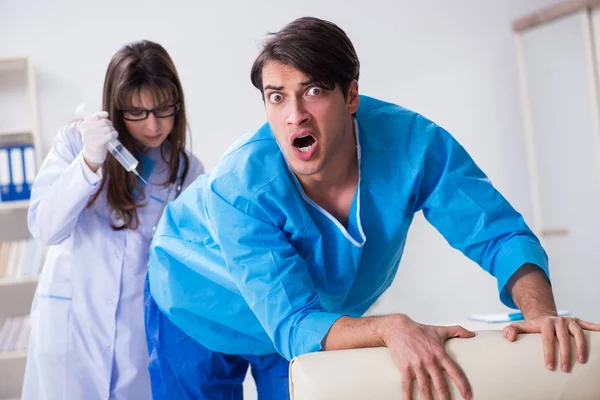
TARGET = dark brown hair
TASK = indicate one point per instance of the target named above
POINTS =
(135, 67)
(318, 48)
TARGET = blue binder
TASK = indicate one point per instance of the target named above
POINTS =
(29, 168)
(5, 187)
(17, 170)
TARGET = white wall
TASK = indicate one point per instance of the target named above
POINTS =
(454, 62)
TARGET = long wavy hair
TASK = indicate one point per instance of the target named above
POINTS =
(135, 67)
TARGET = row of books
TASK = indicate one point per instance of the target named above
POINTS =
(17, 170)
(21, 258)
(14, 334)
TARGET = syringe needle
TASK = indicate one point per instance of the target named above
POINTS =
(139, 176)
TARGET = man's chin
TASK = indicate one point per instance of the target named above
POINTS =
(305, 169)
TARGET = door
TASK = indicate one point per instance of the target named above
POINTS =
(561, 109)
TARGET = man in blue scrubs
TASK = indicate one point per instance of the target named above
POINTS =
(301, 227)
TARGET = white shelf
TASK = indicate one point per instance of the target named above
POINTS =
(15, 132)
(12, 372)
(16, 297)
(18, 60)
(23, 280)
(13, 355)
(14, 205)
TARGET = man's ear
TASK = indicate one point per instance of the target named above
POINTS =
(353, 99)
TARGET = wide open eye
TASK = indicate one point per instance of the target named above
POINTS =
(275, 98)
(314, 91)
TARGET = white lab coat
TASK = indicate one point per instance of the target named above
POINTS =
(87, 320)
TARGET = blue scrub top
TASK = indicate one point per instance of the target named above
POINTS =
(245, 263)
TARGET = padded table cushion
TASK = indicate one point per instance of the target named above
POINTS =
(495, 367)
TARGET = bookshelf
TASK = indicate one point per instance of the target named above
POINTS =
(18, 126)
(14, 205)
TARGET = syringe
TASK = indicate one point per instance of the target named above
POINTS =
(116, 148)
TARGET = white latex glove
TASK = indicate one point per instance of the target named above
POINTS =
(96, 131)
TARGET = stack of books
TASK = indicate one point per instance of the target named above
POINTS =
(14, 334)
(21, 258)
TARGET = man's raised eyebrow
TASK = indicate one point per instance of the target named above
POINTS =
(278, 88)
(271, 87)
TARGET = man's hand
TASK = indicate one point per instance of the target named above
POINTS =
(560, 327)
(418, 351)
(531, 291)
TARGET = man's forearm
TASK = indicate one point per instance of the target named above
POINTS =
(531, 292)
(355, 333)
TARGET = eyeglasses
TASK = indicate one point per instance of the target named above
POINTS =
(160, 112)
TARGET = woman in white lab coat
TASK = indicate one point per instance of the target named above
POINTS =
(87, 320)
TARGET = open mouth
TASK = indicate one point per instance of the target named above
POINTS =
(304, 143)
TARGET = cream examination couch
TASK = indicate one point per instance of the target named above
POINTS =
(496, 369)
